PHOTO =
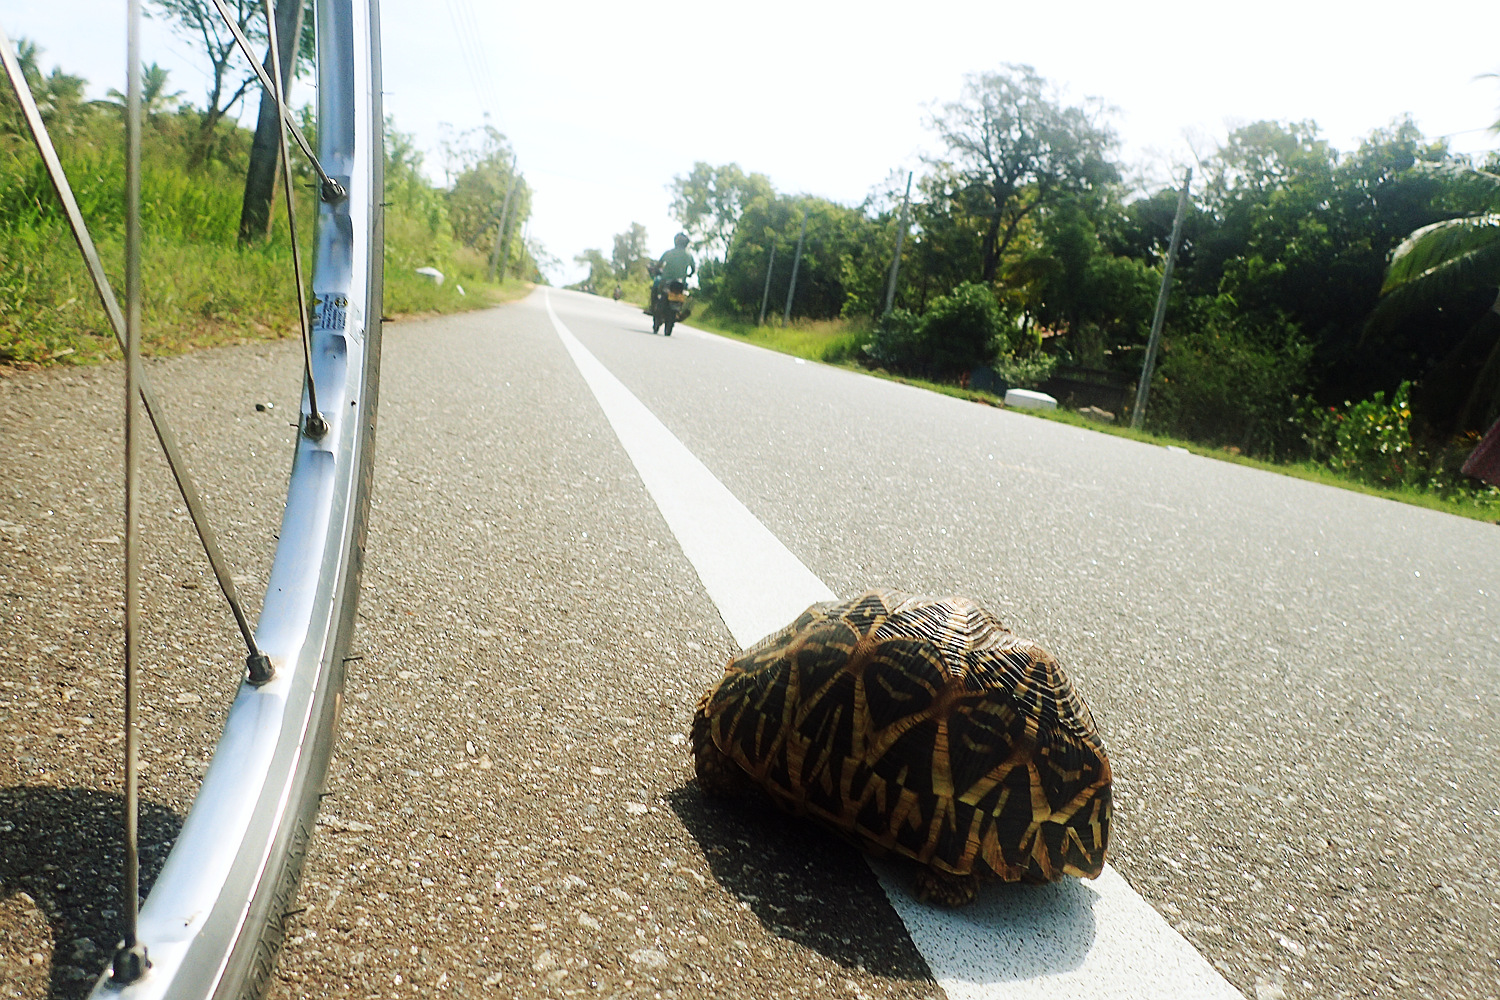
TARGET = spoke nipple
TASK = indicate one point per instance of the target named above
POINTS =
(315, 426)
(333, 192)
(261, 670)
(130, 964)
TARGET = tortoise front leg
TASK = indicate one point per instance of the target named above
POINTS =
(944, 888)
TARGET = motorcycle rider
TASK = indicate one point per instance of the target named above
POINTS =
(675, 265)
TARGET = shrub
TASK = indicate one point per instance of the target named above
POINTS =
(895, 341)
(1369, 441)
(959, 331)
(1231, 380)
(1025, 373)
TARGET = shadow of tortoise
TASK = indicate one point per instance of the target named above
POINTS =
(803, 883)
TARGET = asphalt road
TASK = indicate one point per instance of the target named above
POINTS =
(1297, 684)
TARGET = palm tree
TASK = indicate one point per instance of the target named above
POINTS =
(1436, 264)
(154, 96)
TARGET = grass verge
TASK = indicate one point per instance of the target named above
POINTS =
(195, 294)
(837, 342)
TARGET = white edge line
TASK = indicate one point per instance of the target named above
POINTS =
(1098, 939)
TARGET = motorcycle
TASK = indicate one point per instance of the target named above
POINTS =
(669, 305)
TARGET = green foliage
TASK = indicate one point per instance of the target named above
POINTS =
(1228, 379)
(1025, 372)
(960, 331)
(1369, 441)
(199, 286)
(710, 200)
(481, 162)
(1070, 283)
(1017, 148)
(838, 240)
(601, 277)
(631, 254)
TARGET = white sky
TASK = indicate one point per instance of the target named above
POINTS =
(605, 101)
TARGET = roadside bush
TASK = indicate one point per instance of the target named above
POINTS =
(1025, 373)
(958, 332)
(895, 342)
(1231, 380)
(1369, 441)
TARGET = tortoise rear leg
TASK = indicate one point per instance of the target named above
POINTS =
(718, 774)
(944, 888)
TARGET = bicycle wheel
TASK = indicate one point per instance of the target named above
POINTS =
(212, 923)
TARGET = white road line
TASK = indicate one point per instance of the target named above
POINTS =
(758, 585)
(1096, 939)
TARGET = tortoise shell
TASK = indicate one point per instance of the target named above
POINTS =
(919, 727)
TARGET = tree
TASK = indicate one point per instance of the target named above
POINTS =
(1291, 229)
(631, 253)
(230, 76)
(838, 238)
(155, 98)
(1070, 283)
(480, 163)
(710, 200)
(292, 17)
(601, 274)
(1442, 262)
(1011, 140)
(58, 95)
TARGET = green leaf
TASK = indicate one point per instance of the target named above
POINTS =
(1450, 256)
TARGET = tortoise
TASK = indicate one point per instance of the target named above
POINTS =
(919, 727)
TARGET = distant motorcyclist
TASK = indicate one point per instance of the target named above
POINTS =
(675, 265)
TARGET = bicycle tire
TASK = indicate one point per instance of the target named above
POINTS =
(212, 924)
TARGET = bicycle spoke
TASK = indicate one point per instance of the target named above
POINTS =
(330, 190)
(256, 661)
(131, 961)
(314, 426)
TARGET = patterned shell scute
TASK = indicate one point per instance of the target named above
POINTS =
(921, 727)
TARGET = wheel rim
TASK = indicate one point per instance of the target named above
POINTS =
(212, 921)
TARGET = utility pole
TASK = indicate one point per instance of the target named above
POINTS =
(504, 216)
(765, 296)
(890, 287)
(791, 289)
(1138, 415)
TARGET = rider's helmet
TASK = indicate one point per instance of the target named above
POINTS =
(681, 241)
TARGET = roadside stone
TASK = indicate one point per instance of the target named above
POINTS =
(649, 958)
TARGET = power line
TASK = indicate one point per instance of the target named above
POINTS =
(472, 53)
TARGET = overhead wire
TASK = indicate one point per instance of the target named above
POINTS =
(472, 53)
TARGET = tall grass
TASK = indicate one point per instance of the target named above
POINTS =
(199, 286)
(832, 341)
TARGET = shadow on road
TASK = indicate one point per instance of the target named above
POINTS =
(1013, 932)
(62, 848)
(803, 883)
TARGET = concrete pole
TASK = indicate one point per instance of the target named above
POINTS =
(890, 287)
(765, 296)
(1138, 414)
(504, 216)
(791, 289)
